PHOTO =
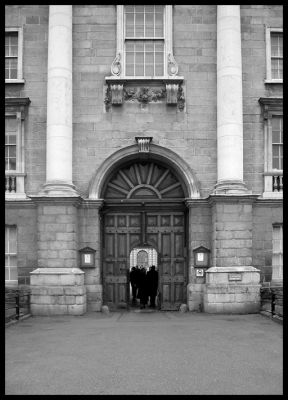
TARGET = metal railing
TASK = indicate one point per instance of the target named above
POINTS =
(17, 303)
(272, 300)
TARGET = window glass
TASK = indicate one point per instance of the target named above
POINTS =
(145, 22)
(11, 253)
(276, 55)
(11, 55)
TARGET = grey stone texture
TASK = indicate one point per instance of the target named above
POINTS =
(237, 233)
(57, 240)
(25, 218)
(58, 291)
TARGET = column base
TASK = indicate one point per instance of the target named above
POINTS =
(231, 187)
(59, 189)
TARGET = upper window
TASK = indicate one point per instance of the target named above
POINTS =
(272, 108)
(11, 275)
(277, 260)
(274, 53)
(144, 40)
(13, 55)
(15, 111)
(277, 142)
(11, 135)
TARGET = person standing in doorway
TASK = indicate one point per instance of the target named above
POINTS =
(152, 285)
(142, 285)
(133, 282)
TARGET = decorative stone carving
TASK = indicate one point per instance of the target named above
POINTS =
(113, 95)
(116, 65)
(172, 65)
(144, 95)
(172, 92)
(108, 98)
(180, 99)
(143, 144)
(117, 93)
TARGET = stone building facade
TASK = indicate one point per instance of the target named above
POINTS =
(143, 127)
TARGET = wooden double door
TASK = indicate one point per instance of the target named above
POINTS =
(161, 230)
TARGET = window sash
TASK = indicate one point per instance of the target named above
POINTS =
(277, 142)
(11, 253)
(144, 27)
(13, 54)
(276, 55)
(144, 58)
(11, 142)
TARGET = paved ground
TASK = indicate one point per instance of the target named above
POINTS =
(144, 353)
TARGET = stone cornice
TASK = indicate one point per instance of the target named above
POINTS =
(20, 104)
(270, 105)
(17, 101)
(224, 198)
(73, 200)
(269, 202)
(17, 203)
(90, 203)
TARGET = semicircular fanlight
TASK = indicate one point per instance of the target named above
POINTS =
(143, 181)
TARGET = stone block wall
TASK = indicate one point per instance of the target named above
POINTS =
(57, 235)
(34, 21)
(58, 291)
(254, 18)
(89, 236)
(232, 234)
(264, 216)
(25, 218)
(190, 133)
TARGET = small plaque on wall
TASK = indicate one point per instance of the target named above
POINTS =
(235, 277)
(199, 272)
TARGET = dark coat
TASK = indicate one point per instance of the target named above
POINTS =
(142, 287)
(152, 282)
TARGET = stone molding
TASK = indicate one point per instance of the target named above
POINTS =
(132, 152)
(271, 105)
(20, 104)
(143, 143)
(140, 91)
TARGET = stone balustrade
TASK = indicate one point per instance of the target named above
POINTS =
(10, 184)
(277, 183)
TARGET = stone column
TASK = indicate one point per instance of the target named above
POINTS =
(59, 103)
(229, 101)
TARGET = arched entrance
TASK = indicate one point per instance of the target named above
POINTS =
(144, 206)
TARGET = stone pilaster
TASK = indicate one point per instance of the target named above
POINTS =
(57, 286)
(232, 283)
(59, 103)
(229, 101)
(89, 235)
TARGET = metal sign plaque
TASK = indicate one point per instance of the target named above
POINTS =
(235, 277)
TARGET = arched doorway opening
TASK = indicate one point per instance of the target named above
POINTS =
(143, 258)
(144, 207)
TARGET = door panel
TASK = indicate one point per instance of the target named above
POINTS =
(166, 233)
(121, 233)
(170, 234)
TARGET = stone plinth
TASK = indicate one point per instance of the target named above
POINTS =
(58, 291)
(195, 296)
(232, 290)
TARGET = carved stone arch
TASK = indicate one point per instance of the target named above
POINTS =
(157, 154)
